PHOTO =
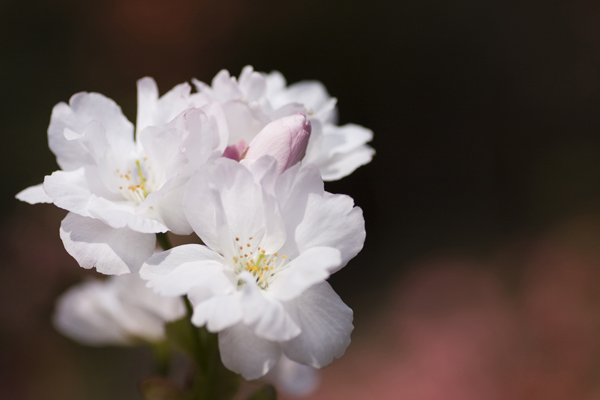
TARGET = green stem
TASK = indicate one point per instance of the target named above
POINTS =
(206, 355)
(162, 357)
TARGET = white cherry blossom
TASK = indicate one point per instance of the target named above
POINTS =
(271, 242)
(117, 311)
(256, 99)
(120, 191)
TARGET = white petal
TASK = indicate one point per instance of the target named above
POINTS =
(34, 195)
(326, 324)
(112, 251)
(132, 289)
(82, 109)
(161, 143)
(69, 190)
(311, 267)
(343, 139)
(264, 314)
(288, 109)
(311, 93)
(176, 271)
(80, 315)
(173, 168)
(122, 214)
(330, 221)
(153, 111)
(198, 273)
(170, 208)
(217, 312)
(222, 202)
(341, 165)
(147, 96)
(292, 191)
(118, 310)
(293, 378)
(226, 87)
(163, 263)
(253, 84)
(172, 103)
(247, 354)
(242, 122)
(207, 138)
(275, 82)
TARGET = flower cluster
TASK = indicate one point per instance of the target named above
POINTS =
(241, 163)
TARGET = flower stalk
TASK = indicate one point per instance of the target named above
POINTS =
(212, 381)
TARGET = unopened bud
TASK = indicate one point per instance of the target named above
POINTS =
(284, 139)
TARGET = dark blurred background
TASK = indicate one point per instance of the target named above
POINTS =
(487, 132)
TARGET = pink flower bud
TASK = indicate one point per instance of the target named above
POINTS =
(235, 151)
(284, 139)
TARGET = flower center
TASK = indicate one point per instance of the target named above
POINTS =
(137, 182)
(262, 264)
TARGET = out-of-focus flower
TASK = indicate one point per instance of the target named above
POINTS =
(117, 311)
(293, 378)
(121, 191)
(256, 99)
(271, 241)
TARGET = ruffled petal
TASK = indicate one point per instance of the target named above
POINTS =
(170, 208)
(245, 353)
(176, 271)
(133, 291)
(69, 190)
(342, 165)
(208, 134)
(292, 190)
(172, 103)
(264, 314)
(275, 82)
(225, 87)
(217, 312)
(81, 314)
(243, 122)
(326, 324)
(253, 84)
(153, 111)
(343, 150)
(312, 94)
(34, 195)
(311, 267)
(147, 96)
(293, 378)
(329, 221)
(118, 310)
(81, 110)
(343, 139)
(222, 202)
(122, 214)
(111, 251)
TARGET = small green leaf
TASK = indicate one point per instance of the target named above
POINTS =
(267, 392)
(156, 388)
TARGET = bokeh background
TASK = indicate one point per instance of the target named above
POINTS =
(479, 277)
